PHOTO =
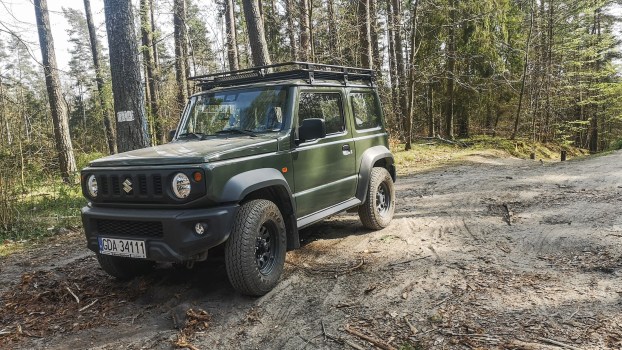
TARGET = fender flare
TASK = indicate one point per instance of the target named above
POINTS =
(240, 185)
(368, 159)
(243, 184)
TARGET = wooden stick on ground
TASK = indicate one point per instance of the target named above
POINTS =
(339, 340)
(75, 296)
(89, 305)
(558, 343)
(377, 342)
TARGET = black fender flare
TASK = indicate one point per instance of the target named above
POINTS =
(241, 185)
(368, 159)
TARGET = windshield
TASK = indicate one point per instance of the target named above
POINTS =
(247, 112)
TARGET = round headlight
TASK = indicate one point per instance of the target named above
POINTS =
(181, 185)
(91, 186)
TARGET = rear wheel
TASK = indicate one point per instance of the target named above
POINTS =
(255, 250)
(124, 268)
(377, 211)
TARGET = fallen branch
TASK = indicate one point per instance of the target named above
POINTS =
(442, 302)
(412, 328)
(339, 340)
(88, 306)
(558, 343)
(74, 295)
(379, 343)
(409, 261)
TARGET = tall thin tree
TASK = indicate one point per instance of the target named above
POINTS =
(231, 32)
(151, 77)
(365, 48)
(129, 96)
(525, 67)
(451, 71)
(291, 30)
(182, 68)
(256, 34)
(60, 120)
(305, 31)
(111, 135)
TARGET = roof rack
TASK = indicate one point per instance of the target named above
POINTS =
(288, 70)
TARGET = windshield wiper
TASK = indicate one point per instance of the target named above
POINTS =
(196, 135)
(239, 131)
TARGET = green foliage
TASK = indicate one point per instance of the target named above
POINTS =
(616, 145)
(42, 206)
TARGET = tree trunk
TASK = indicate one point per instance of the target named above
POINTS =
(411, 77)
(451, 70)
(430, 101)
(129, 101)
(333, 34)
(181, 53)
(154, 44)
(525, 66)
(256, 34)
(151, 72)
(373, 28)
(402, 94)
(60, 120)
(365, 49)
(393, 76)
(305, 31)
(232, 41)
(594, 146)
(99, 79)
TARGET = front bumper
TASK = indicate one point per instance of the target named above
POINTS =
(168, 234)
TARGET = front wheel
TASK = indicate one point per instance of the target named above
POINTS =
(255, 250)
(377, 211)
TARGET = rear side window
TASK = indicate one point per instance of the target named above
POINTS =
(366, 110)
(326, 106)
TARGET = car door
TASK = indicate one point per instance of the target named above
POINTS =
(324, 169)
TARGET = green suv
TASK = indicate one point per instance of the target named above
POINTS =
(258, 154)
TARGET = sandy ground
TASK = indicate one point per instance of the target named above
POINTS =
(495, 253)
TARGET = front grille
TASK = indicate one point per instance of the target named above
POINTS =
(140, 186)
(115, 185)
(157, 185)
(131, 187)
(130, 228)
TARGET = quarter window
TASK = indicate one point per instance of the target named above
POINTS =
(326, 106)
(366, 110)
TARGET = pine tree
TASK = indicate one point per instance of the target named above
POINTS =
(129, 96)
(55, 97)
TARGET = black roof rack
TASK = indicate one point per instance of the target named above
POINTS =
(288, 70)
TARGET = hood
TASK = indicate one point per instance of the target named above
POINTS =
(191, 152)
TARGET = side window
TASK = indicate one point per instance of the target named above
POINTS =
(322, 105)
(366, 110)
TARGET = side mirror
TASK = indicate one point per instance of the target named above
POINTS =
(171, 134)
(311, 129)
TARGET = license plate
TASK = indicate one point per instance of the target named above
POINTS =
(122, 247)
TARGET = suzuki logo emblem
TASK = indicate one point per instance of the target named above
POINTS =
(127, 186)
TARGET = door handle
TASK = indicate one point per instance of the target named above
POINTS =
(346, 149)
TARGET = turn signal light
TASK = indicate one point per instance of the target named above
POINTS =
(197, 176)
(284, 170)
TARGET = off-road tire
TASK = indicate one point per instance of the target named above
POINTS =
(374, 214)
(245, 249)
(124, 269)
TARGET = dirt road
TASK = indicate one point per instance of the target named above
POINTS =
(494, 253)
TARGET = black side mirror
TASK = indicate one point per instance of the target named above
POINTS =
(311, 129)
(171, 134)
